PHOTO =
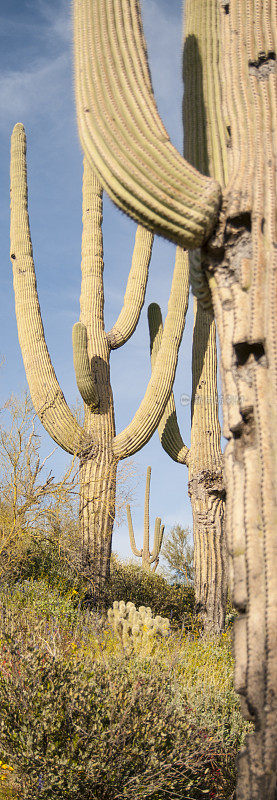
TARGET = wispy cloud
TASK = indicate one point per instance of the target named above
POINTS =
(162, 30)
(38, 86)
(32, 91)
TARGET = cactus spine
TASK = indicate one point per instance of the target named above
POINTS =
(96, 445)
(230, 124)
(146, 556)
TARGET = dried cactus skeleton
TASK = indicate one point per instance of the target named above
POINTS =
(147, 558)
(96, 444)
(230, 133)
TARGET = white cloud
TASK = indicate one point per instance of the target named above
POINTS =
(59, 22)
(32, 91)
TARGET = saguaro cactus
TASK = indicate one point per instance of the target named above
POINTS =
(96, 445)
(146, 556)
(204, 462)
(230, 76)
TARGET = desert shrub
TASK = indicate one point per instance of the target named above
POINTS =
(80, 719)
(103, 730)
(130, 582)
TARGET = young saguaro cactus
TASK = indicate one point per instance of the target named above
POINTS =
(96, 444)
(230, 122)
(147, 558)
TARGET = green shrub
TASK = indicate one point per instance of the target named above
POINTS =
(108, 730)
(130, 582)
(80, 719)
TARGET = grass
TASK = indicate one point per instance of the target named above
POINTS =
(80, 718)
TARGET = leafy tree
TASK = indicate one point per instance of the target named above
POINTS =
(178, 554)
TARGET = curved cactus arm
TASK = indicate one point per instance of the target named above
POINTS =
(135, 290)
(145, 548)
(46, 394)
(131, 533)
(168, 428)
(157, 540)
(84, 378)
(161, 536)
(150, 411)
(122, 134)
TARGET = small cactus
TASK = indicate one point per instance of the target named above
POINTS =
(147, 557)
(137, 629)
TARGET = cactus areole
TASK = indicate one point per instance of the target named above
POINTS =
(230, 136)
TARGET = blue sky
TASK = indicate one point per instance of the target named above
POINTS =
(36, 88)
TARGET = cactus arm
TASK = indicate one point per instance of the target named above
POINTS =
(149, 413)
(83, 374)
(145, 549)
(157, 541)
(121, 133)
(135, 290)
(168, 427)
(131, 533)
(46, 394)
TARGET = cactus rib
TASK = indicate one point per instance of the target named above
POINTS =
(121, 133)
(46, 394)
(150, 411)
(128, 318)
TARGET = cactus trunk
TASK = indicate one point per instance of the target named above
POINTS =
(98, 472)
(230, 117)
(97, 512)
(206, 488)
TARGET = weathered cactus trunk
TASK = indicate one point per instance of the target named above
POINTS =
(98, 472)
(230, 122)
(204, 460)
(206, 488)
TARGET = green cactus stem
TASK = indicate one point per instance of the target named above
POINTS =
(128, 318)
(83, 374)
(168, 427)
(46, 394)
(122, 134)
(148, 415)
(147, 557)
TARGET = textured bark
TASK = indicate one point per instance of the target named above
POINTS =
(204, 460)
(206, 487)
(230, 117)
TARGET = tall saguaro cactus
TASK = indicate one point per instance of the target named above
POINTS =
(204, 462)
(146, 556)
(96, 445)
(230, 126)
